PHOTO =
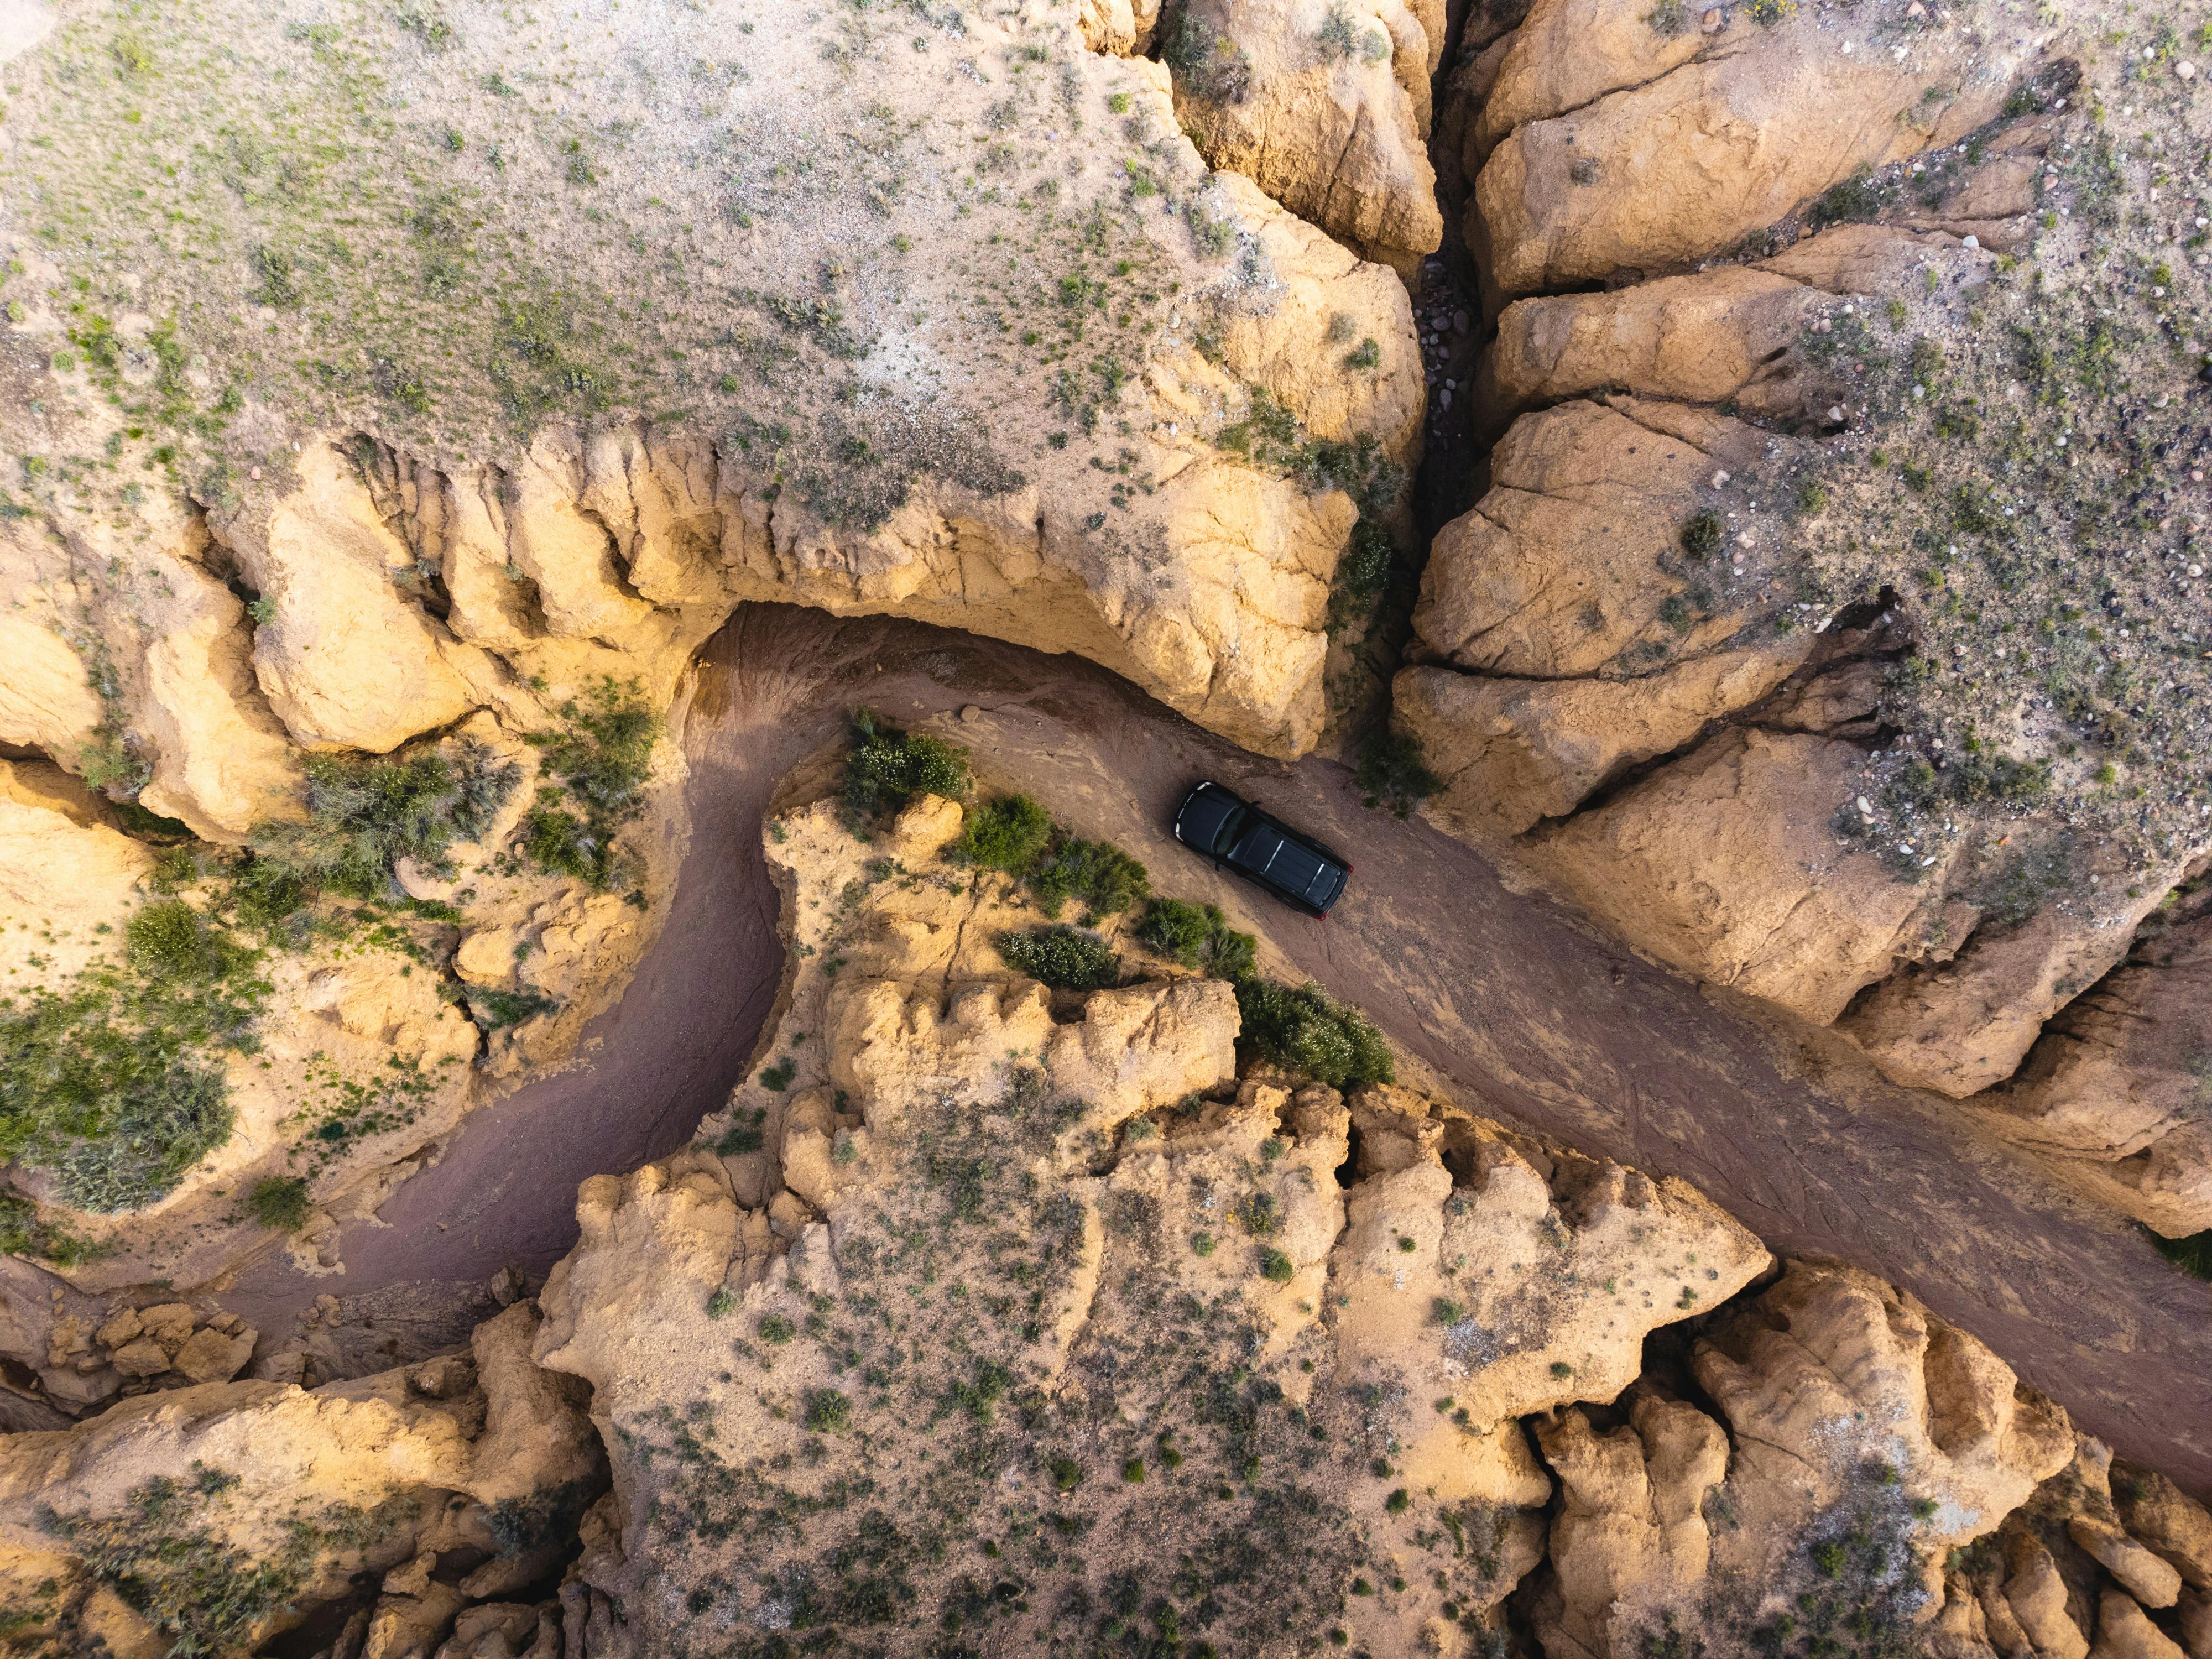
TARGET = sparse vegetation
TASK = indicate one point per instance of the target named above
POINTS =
(115, 1083)
(164, 1557)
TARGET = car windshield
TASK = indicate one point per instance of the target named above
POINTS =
(1232, 829)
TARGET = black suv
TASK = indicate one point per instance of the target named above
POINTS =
(1229, 830)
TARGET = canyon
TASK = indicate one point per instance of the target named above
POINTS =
(520, 1140)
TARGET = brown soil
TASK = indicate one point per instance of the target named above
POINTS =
(1506, 996)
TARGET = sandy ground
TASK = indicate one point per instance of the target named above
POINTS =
(1509, 997)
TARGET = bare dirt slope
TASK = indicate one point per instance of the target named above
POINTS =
(1506, 996)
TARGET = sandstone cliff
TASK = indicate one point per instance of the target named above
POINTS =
(1815, 631)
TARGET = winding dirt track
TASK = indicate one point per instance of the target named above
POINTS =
(1508, 996)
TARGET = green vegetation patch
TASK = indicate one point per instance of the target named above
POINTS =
(1009, 834)
(1062, 958)
(1308, 1032)
(365, 813)
(281, 1202)
(1098, 875)
(886, 768)
(115, 1083)
(1197, 936)
(602, 753)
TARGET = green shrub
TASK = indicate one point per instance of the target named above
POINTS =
(1702, 533)
(602, 752)
(495, 1010)
(776, 1329)
(886, 768)
(1277, 1266)
(1063, 958)
(365, 813)
(1008, 834)
(116, 1082)
(1197, 936)
(1105, 879)
(1393, 773)
(827, 1412)
(170, 940)
(280, 1201)
(1306, 1031)
(2192, 1253)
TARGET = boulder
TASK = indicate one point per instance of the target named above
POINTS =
(1732, 335)
(1324, 103)
(1833, 1383)
(345, 660)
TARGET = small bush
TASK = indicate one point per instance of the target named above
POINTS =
(1063, 958)
(1306, 1031)
(365, 813)
(1008, 834)
(887, 768)
(776, 1329)
(495, 1010)
(1277, 1266)
(171, 939)
(281, 1202)
(602, 752)
(827, 1412)
(1393, 773)
(1197, 936)
(1702, 533)
(1067, 1473)
(1105, 879)
(1206, 64)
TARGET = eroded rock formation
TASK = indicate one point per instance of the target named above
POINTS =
(1665, 663)
(1022, 1315)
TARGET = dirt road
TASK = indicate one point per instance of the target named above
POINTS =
(1506, 996)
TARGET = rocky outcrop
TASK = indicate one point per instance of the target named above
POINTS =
(2117, 1084)
(1726, 859)
(1617, 145)
(328, 550)
(1682, 682)
(212, 1517)
(970, 1273)
(1324, 105)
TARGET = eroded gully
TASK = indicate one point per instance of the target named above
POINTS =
(1531, 1014)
